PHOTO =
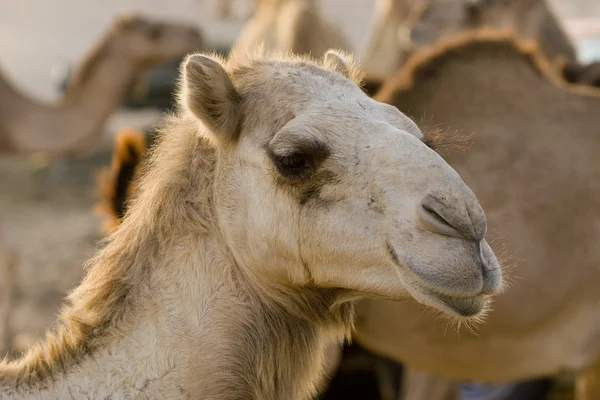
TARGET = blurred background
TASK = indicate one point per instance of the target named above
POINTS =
(38, 39)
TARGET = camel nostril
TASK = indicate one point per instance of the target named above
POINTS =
(436, 216)
(434, 222)
(448, 214)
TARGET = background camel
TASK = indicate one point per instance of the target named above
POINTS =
(429, 20)
(226, 306)
(533, 164)
(96, 89)
(289, 25)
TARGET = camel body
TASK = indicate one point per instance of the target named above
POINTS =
(533, 163)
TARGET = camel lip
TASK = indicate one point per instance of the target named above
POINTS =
(460, 306)
(464, 306)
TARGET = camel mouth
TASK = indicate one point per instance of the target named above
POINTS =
(458, 306)
(462, 306)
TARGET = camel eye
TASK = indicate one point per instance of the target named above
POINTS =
(293, 166)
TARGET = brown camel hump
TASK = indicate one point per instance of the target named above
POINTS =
(117, 183)
(429, 61)
(432, 59)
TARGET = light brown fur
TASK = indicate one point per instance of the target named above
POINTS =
(533, 163)
(97, 87)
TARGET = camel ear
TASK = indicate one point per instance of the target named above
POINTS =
(208, 93)
(335, 61)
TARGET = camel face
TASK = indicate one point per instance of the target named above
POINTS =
(148, 41)
(318, 185)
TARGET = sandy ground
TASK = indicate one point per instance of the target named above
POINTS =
(46, 213)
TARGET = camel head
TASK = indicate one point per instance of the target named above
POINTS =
(443, 17)
(317, 185)
(149, 42)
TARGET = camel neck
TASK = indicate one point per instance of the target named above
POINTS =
(31, 126)
(169, 313)
(9, 96)
(11, 105)
(103, 87)
(205, 335)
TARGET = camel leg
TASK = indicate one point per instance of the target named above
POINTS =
(420, 385)
(587, 383)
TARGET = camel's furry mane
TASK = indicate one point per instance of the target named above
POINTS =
(434, 57)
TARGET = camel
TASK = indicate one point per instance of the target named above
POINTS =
(289, 25)
(533, 164)
(278, 196)
(96, 89)
(425, 21)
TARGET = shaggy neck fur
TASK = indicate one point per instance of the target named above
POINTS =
(170, 314)
(25, 123)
